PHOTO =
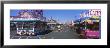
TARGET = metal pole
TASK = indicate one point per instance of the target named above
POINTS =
(33, 26)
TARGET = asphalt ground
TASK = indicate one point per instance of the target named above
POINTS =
(65, 33)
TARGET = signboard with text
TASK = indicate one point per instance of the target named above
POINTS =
(95, 12)
(91, 13)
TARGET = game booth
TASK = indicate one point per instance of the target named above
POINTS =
(28, 22)
(27, 27)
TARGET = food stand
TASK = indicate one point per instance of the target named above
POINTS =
(91, 28)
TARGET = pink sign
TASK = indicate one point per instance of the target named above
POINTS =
(92, 33)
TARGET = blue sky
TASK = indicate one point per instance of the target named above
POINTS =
(59, 15)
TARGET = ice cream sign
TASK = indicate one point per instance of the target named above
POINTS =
(95, 12)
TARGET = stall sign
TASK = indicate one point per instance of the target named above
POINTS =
(95, 20)
(95, 16)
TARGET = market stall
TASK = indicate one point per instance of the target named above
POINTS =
(91, 28)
